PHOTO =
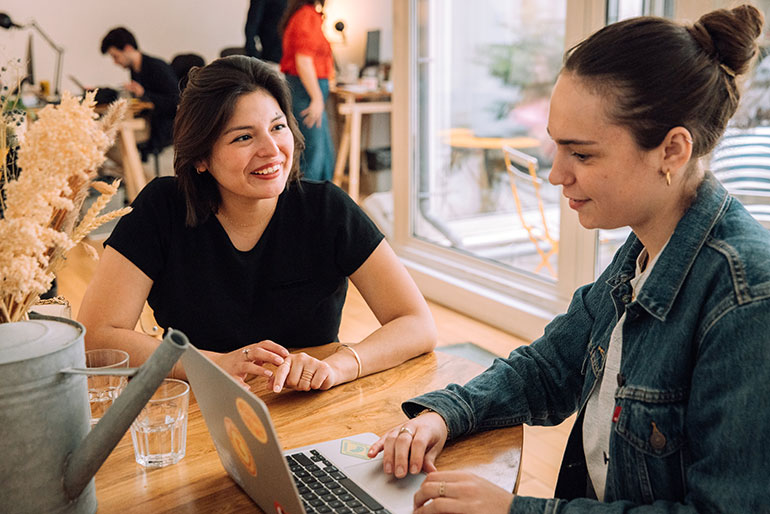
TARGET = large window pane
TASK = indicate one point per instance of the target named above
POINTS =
(486, 69)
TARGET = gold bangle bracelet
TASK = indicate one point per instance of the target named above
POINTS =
(355, 354)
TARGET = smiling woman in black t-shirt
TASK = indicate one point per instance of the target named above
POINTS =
(246, 258)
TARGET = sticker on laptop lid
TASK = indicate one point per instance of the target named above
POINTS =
(279, 509)
(354, 449)
(239, 445)
(251, 420)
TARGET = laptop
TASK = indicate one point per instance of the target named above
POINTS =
(331, 476)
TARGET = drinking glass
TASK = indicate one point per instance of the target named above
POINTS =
(159, 432)
(102, 390)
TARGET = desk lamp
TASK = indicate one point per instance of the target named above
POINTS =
(7, 23)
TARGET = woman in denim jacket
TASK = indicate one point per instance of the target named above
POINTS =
(666, 357)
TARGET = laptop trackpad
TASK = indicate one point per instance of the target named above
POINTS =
(396, 493)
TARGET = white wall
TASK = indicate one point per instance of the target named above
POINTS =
(162, 28)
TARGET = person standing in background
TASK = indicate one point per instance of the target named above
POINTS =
(262, 20)
(152, 79)
(308, 65)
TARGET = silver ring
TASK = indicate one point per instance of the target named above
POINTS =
(246, 353)
(407, 430)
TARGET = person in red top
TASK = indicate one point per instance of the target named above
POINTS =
(308, 65)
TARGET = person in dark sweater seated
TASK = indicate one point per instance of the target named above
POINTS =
(152, 79)
(244, 256)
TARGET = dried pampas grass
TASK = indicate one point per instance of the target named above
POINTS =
(58, 155)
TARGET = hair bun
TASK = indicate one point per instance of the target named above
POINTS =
(729, 36)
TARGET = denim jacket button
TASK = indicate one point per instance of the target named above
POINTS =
(657, 439)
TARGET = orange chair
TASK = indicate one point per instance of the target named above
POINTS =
(545, 244)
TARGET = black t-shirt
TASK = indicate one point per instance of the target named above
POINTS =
(160, 87)
(289, 288)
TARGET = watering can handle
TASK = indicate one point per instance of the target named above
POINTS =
(112, 372)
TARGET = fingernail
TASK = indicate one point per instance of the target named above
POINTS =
(268, 373)
(388, 469)
(277, 389)
(400, 471)
(414, 469)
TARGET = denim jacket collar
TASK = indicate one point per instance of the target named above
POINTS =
(678, 256)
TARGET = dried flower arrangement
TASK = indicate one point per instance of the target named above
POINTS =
(47, 169)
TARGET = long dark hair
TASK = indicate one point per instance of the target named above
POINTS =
(207, 103)
(663, 74)
(293, 7)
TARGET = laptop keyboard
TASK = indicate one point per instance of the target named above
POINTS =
(324, 488)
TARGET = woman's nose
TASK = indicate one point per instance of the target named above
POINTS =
(266, 146)
(559, 174)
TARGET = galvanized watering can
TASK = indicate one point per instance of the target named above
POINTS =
(48, 456)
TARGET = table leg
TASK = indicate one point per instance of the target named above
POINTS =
(133, 173)
(339, 165)
(355, 154)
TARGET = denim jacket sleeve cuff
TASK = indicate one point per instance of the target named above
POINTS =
(455, 411)
(530, 505)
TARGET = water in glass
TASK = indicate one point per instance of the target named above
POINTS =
(159, 432)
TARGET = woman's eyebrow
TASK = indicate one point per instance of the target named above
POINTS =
(233, 129)
(574, 142)
(571, 141)
(247, 127)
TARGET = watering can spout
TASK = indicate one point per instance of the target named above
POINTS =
(84, 462)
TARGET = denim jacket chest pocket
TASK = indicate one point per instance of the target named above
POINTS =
(649, 445)
(593, 362)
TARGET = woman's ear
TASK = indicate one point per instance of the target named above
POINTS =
(677, 149)
(201, 166)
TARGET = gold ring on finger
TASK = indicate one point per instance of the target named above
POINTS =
(407, 430)
(306, 375)
(442, 489)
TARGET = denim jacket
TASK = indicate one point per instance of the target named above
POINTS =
(692, 428)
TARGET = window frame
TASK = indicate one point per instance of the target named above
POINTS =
(513, 301)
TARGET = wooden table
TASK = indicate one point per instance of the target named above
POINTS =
(355, 104)
(134, 178)
(199, 483)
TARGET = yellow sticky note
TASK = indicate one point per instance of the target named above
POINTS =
(354, 449)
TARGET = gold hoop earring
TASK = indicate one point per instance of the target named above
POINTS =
(200, 171)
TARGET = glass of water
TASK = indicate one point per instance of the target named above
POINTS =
(103, 390)
(159, 432)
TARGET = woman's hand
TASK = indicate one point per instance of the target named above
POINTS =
(302, 372)
(460, 492)
(250, 359)
(311, 116)
(412, 446)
